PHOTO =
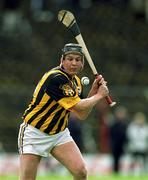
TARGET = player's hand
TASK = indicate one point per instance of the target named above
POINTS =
(103, 90)
(96, 84)
(100, 80)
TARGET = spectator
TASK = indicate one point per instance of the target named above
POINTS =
(137, 134)
(118, 136)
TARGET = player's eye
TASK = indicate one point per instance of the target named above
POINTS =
(69, 58)
(78, 59)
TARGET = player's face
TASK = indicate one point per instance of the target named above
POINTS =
(72, 63)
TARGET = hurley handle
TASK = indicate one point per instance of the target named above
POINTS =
(109, 100)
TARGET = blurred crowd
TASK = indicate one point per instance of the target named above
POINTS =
(123, 136)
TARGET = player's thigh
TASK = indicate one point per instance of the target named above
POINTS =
(70, 156)
(28, 165)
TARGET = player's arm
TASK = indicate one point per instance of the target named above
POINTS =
(84, 106)
(97, 82)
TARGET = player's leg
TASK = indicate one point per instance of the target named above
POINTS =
(28, 166)
(70, 156)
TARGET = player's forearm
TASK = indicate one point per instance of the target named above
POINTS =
(84, 107)
(92, 92)
(83, 114)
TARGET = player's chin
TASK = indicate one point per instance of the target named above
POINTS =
(75, 71)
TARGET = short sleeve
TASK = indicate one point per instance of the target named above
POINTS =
(60, 89)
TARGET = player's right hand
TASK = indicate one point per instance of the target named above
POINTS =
(103, 90)
(95, 89)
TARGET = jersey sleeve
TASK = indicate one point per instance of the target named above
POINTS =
(61, 91)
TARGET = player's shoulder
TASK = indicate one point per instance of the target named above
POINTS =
(56, 74)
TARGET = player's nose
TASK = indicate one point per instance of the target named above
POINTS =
(74, 62)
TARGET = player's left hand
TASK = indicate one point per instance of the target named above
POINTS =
(100, 80)
(96, 84)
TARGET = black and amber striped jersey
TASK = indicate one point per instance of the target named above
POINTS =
(55, 93)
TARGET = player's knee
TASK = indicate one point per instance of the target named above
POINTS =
(81, 172)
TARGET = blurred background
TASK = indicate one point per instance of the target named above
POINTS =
(31, 39)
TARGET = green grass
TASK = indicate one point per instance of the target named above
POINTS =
(56, 177)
